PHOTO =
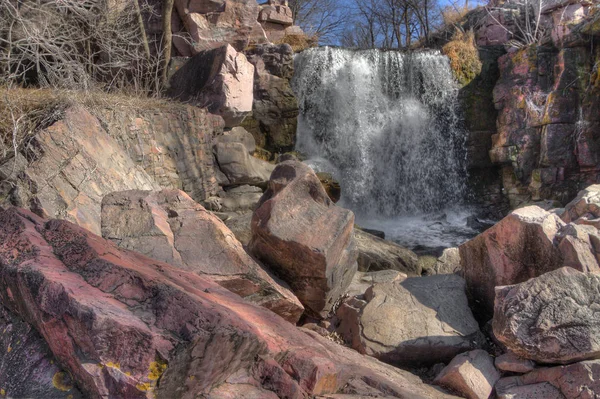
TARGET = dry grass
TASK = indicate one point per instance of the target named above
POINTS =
(453, 16)
(300, 42)
(24, 112)
(464, 57)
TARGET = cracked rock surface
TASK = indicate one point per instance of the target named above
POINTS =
(554, 318)
(416, 321)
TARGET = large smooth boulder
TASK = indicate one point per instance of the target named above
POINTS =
(239, 167)
(411, 322)
(517, 248)
(472, 374)
(552, 318)
(376, 254)
(127, 326)
(170, 227)
(305, 238)
(574, 381)
(220, 79)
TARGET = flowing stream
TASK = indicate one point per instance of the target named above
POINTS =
(386, 125)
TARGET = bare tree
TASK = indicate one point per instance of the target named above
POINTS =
(325, 19)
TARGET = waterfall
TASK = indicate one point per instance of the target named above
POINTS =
(385, 124)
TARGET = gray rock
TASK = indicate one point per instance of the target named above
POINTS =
(238, 135)
(552, 318)
(587, 202)
(363, 281)
(240, 198)
(240, 227)
(417, 321)
(376, 254)
(239, 167)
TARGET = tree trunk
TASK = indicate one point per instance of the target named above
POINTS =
(142, 28)
(167, 39)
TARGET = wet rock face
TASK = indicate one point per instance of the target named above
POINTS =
(411, 322)
(551, 318)
(304, 237)
(170, 227)
(275, 108)
(125, 325)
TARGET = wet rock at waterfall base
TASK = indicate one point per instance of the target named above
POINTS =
(304, 238)
(376, 254)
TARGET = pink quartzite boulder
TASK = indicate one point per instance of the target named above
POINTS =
(552, 318)
(472, 374)
(305, 238)
(575, 381)
(127, 326)
(220, 79)
(513, 363)
(517, 248)
(170, 227)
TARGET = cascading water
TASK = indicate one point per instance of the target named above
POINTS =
(385, 124)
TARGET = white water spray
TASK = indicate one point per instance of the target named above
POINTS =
(386, 124)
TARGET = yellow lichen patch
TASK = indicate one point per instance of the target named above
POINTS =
(144, 387)
(2, 392)
(113, 365)
(157, 369)
(9, 349)
(62, 381)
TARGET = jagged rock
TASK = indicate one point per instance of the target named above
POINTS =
(447, 263)
(69, 167)
(27, 367)
(575, 381)
(277, 14)
(331, 186)
(363, 281)
(304, 237)
(580, 247)
(275, 108)
(240, 199)
(586, 204)
(214, 23)
(240, 227)
(472, 374)
(238, 135)
(170, 227)
(410, 322)
(551, 318)
(127, 326)
(513, 363)
(239, 167)
(220, 79)
(519, 247)
(376, 254)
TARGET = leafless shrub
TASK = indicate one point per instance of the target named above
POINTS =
(528, 26)
(77, 44)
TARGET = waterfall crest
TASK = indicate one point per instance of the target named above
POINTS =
(385, 123)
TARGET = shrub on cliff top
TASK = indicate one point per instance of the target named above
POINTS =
(464, 57)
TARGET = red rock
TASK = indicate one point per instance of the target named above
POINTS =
(170, 227)
(513, 363)
(220, 79)
(519, 247)
(575, 381)
(127, 326)
(304, 237)
(472, 374)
